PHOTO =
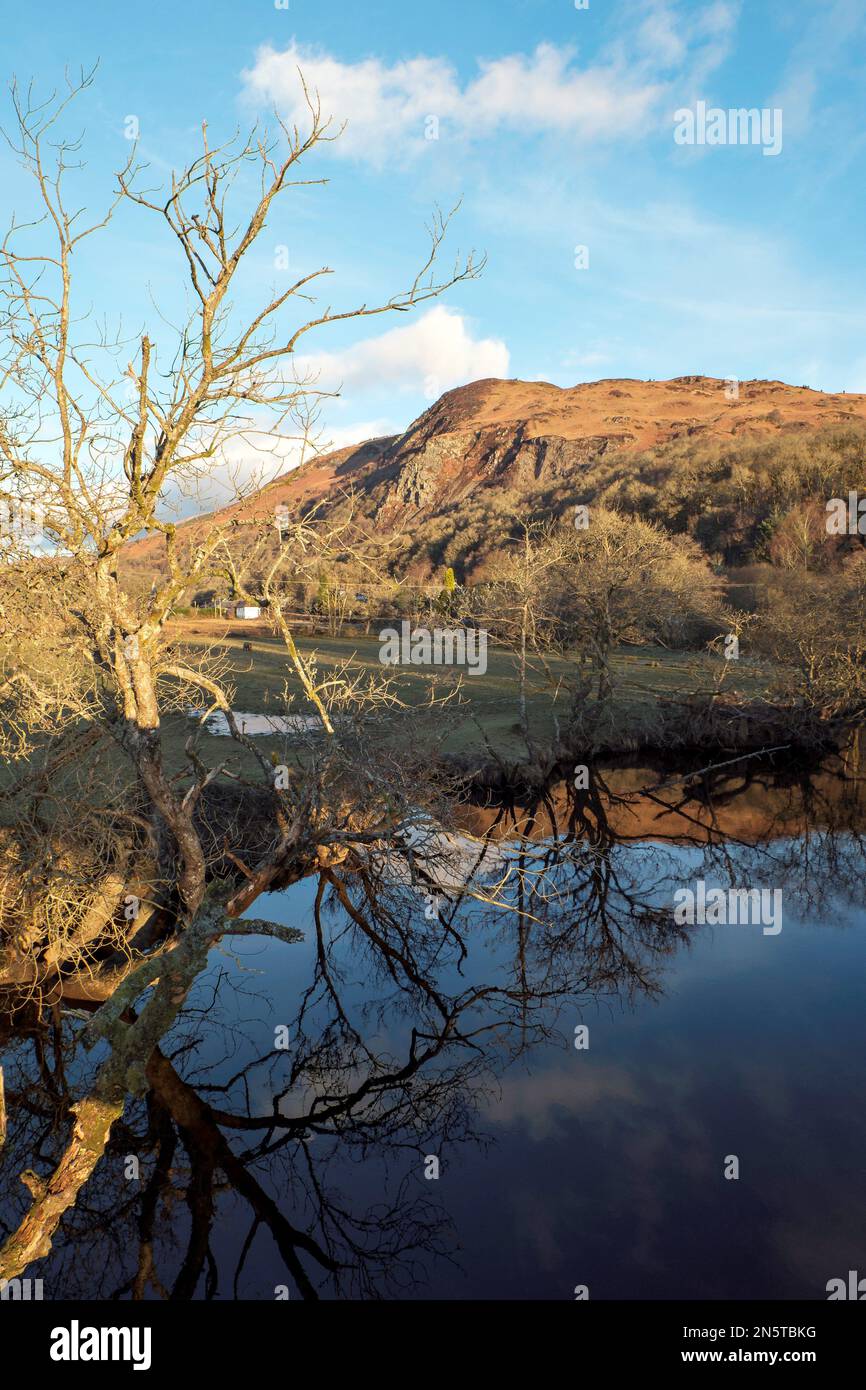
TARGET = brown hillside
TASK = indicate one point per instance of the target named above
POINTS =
(516, 435)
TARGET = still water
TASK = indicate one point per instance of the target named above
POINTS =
(431, 1096)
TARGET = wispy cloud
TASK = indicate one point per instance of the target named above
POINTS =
(392, 109)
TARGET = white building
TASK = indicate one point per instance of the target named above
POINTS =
(248, 611)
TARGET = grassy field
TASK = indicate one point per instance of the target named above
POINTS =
(486, 705)
(258, 678)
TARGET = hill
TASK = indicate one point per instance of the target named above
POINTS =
(727, 470)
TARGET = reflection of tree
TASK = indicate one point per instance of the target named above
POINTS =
(809, 841)
(339, 1082)
(401, 1027)
(194, 1166)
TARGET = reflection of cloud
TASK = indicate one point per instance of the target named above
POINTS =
(810, 1220)
(621, 1115)
(533, 1099)
(648, 1143)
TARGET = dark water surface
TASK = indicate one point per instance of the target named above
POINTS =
(558, 1167)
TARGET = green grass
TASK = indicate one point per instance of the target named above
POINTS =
(258, 679)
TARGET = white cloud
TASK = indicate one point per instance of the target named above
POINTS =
(823, 67)
(382, 104)
(249, 462)
(430, 355)
(662, 48)
(545, 92)
(689, 44)
(358, 432)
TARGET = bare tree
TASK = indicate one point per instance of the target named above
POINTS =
(101, 433)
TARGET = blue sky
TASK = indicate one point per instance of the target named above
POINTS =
(556, 129)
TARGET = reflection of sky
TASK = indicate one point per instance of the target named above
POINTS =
(606, 1165)
(751, 1052)
(601, 1167)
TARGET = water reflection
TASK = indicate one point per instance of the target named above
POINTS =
(290, 1119)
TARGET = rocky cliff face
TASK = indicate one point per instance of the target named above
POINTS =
(515, 435)
(446, 468)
